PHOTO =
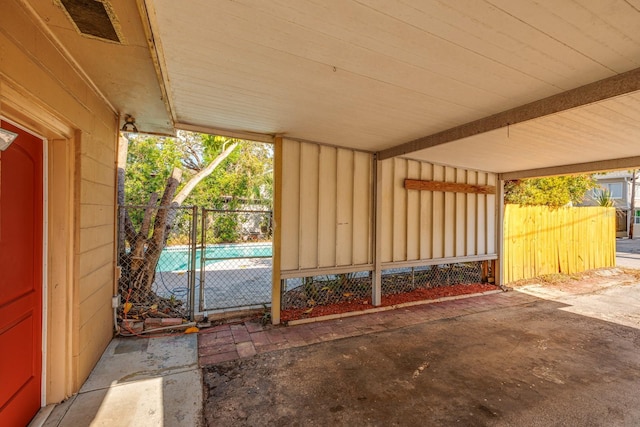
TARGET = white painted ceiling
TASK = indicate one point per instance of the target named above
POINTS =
(373, 74)
(600, 131)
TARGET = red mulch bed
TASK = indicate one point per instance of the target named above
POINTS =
(364, 304)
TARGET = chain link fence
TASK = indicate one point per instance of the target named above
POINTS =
(235, 262)
(230, 267)
(404, 280)
(157, 263)
(331, 294)
(306, 293)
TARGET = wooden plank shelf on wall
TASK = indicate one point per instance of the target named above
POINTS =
(416, 184)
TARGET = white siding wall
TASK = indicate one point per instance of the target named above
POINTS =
(431, 225)
(327, 217)
(326, 208)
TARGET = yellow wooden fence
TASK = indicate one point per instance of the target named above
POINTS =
(541, 240)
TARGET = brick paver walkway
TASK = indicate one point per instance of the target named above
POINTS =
(237, 340)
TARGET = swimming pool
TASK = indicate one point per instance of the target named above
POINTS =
(176, 258)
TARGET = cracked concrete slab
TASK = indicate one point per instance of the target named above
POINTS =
(542, 362)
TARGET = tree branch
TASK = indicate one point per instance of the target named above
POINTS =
(188, 188)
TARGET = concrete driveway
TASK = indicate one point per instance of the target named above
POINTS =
(542, 355)
(628, 253)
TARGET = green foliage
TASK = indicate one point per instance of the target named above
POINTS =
(245, 174)
(266, 315)
(226, 228)
(603, 198)
(150, 161)
(551, 191)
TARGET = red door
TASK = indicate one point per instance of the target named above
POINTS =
(20, 279)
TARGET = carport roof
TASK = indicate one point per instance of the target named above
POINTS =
(376, 74)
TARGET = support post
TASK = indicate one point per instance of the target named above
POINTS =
(276, 280)
(376, 296)
(485, 271)
(194, 253)
(499, 265)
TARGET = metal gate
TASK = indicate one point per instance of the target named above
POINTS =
(235, 259)
(174, 278)
(228, 268)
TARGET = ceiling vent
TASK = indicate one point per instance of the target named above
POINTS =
(93, 18)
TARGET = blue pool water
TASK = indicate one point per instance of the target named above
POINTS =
(177, 258)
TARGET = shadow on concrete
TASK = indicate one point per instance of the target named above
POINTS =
(139, 382)
(537, 363)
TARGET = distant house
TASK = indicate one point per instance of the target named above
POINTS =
(619, 186)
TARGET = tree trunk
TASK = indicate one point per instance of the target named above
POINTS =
(632, 203)
(141, 261)
(161, 227)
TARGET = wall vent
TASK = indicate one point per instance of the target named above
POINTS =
(93, 18)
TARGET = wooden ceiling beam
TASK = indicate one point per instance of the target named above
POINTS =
(610, 87)
(626, 163)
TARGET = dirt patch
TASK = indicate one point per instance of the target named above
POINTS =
(581, 283)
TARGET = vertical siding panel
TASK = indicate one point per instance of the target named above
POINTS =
(552, 248)
(449, 215)
(523, 242)
(541, 242)
(327, 207)
(438, 215)
(491, 217)
(548, 244)
(555, 241)
(344, 211)
(525, 232)
(565, 241)
(413, 214)
(387, 210)
(558, 241)
(611, 237)
(460, 227)
(308, 242)
(481, 223)
(372, 201)
(570, 224)
(577, 238)
(471, 216)
(507, 244)
(602, 237)
(576, 219)
(399, 210)
(361, 207)
(514, 251)
(585, 240)
(426, 213)
(531, 241)
(290, 205)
